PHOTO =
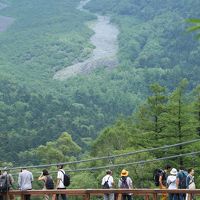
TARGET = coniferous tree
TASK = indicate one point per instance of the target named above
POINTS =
(149, 117)
(196, 107)
(179, 124)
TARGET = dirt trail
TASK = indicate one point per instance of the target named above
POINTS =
(5, 22)
(106, 47)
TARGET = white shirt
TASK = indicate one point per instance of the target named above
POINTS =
(60, 175)
(171, 182)
(108, 178)
(25, 180)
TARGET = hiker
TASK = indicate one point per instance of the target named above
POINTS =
(108, 182)
(48, 182)
(25, 180)
(125, 182)
(163, 180)
(181, 181)
(60, 182)
(171, 182)
(7, 183)
(190, 184)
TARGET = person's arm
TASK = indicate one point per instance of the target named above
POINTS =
(103, 181)
(177, 181)
(130, 183)
(41, 177)
(188, 181)
(11, 179)
(32, 177)
(160, 181)
(119, 183)
(19, 181)
(168, 181)
(112, 181)
(58, 179)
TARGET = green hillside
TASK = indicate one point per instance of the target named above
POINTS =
(49, 35)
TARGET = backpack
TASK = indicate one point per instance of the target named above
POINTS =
(156, 175)
(4, 185)
(182, 180)
(106, 185)
(66, 179)
(124, 183)
(49, 184)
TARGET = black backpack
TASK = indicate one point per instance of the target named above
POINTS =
(66, 179)
(49, 183)
(124, 183)
(106, 185)
(4, 185)
(156, 175)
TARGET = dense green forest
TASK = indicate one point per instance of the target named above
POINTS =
(178, 121)
(38, 113)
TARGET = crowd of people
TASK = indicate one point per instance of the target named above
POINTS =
(25, 180)
(170, 178)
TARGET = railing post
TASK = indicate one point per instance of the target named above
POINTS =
(86, 197)
(118, 196)
(22, 196)
(147, 197)
(155, 195)
(190, 196)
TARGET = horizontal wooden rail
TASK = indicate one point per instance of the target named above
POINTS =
(86, 193)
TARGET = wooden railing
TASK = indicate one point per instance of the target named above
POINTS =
(87, 193)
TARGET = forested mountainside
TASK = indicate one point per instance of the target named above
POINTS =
(156, 35)
(46, 36)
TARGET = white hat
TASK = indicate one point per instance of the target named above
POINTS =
(173, 171)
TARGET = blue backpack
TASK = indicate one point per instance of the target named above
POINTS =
(182, 179)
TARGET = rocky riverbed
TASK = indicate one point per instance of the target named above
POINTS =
(106, 47)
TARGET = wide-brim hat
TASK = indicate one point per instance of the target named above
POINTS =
(124, 172)
(173, 171)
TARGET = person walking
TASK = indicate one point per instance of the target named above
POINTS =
(181, 181)
(60, 182)
(48, 182)
(25, 180)
(190, 184)
(10, 181)
(171, 182)
(125, 182)
(107, 183)
(163, 180)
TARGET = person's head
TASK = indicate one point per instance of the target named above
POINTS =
(45, 172)
(23, 169)
(182, 167)
(168, 167)
(109, 172)
(191, 171)
(60, 166)
(124, 172)
(173, 172)
(5, 169)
